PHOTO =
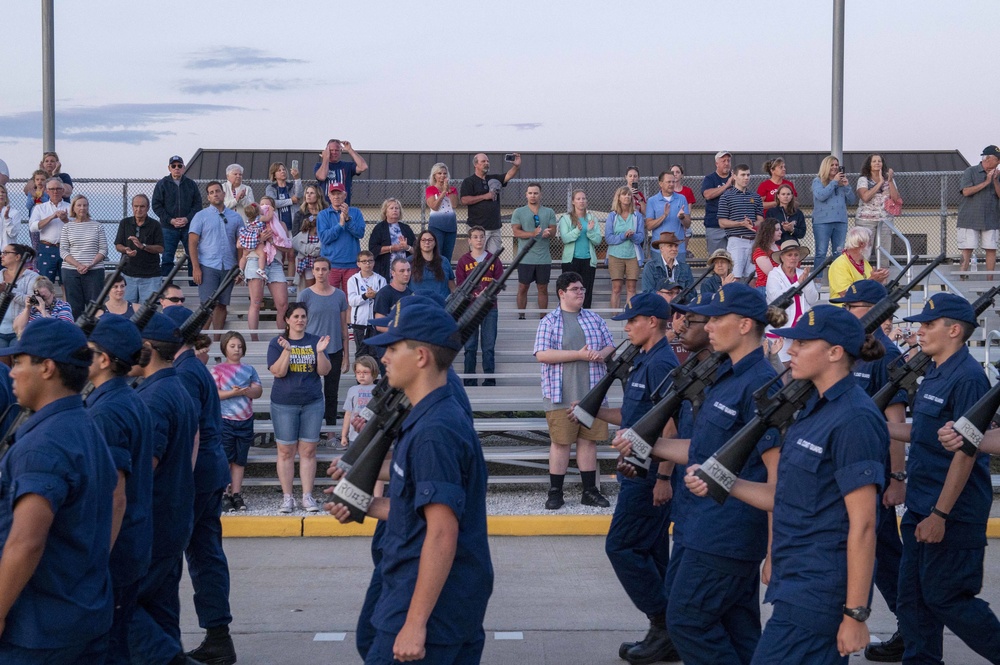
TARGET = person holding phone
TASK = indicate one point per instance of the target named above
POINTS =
(442, 199)
(632, 182)
(832, 194)
(481, 193)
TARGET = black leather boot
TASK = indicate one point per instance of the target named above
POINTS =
(216, 649)
(655, 647)
(890, 651)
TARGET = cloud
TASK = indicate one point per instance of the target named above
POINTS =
(193, 87)
(110, 123)
(523, 126)
(238, 56)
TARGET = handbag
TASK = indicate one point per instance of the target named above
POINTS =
(893, 207)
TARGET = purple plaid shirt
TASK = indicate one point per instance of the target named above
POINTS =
(550, 336)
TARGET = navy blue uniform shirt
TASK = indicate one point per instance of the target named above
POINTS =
(836, 445)
(211, 471)
(649, 370)
(60, 455)
(437, 459)
(6, 398)
(128, 430)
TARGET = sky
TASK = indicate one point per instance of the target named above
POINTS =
(137, 82)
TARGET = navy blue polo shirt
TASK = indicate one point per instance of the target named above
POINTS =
(211, 470)
(437, 459)
(128, 430)
(685, 428)
(175, 422)
(734, 530)
(711, 181)
(871, 375)
(945, 394)
(836, 445)
(736, 205)
(61, 456)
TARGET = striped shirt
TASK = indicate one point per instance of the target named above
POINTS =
(735, 206)
(83, 241)
(550, 336)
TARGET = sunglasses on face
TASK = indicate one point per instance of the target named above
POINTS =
(174, 299)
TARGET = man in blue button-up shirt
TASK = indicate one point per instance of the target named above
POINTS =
(212, 243)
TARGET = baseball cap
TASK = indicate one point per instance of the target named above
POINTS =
(735, 298)
(863, 290)
(833, 325)
(161, 328)
(945, 306)
(175, 159)
(420, 322)
(667, 284)
(696, 301)
(337, 187)
(644, 304)
(55, 339)
(723, 153)
(118, 337)
(991, 151)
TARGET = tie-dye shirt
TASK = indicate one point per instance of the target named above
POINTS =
(228, 376)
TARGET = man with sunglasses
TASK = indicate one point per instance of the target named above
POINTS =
(176, 200)
(212, 248)
(172, 295)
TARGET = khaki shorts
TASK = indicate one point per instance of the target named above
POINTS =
(623, 268)
(967, 239)
(564, 431)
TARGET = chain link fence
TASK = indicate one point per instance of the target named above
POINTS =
(930, 205)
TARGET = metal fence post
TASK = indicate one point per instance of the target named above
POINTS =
(944, 213)
(569, 196)
(125, 199)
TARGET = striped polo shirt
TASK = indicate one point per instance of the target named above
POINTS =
(736, 205)
(84, 240)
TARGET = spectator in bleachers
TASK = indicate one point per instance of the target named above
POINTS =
(362, 288)
(740, 212)
(486, 333)
(391, 238)
(297, 360)
(768, 190)
(53, 169)
(331, 170)
(286, 195)
(10, 258)
(765, 244)
(481, 193)
(313, 201)
(624, 233)
(308, 248)
(47, 221)
(397, 288)
(83, 247)
(876, 185)
(116, 302)
(534, 220)
(340, 229)
(722, 272)
(141, 240)
(237, 195)
(663, 264)
(432, 275)
(784, 277)
(668, 210)
(679, 187)
(831, 196)
(572, 344)
(10, 219)
(852, 265)
(172, 295)
(581, 234)
(176, 200)
(713, 186)
(37, 194)
(632, 182)
(442, 199)
(787, 214)
(979, 209)
(212, 248)
(43, 304)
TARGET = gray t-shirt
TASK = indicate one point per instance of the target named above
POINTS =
(576, 374)
(540, 253)
(324, 316)
(981, 211)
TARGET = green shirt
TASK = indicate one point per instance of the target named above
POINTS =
(540, 253)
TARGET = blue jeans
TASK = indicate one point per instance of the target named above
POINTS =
(487, 332)
(171, 237)
(138, 289)
(445, 242)
(830, 236)
(82, 289)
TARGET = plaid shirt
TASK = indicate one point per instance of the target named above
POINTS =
(250, 234)
(306, 262)
(550, 336)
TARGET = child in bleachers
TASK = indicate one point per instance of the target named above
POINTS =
(366, 372)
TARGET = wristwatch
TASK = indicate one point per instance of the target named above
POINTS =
(898, 475)
(858, 613)
(662, 476)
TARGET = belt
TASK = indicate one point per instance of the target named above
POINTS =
(49, 244)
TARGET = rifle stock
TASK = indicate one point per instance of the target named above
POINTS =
(142, 316)
(88, 318)
(191, 328)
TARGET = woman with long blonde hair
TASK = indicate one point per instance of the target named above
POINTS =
(831, 195)
(442, 198)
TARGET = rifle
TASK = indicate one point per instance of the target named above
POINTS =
(7, 295)
(142, 316)
(721, 469)
(460, 299)
(191, 328)
(619, 367)
(904, 374)
(355, 489)
(88, 319)
(682, 296)
(785, 300)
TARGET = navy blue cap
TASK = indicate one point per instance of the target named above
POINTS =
(696, 301)
(420, 322)
(645, 304)
(667, 284)
(176, 158)
(161, 328)
(833, 325)
(863, 290)
(178, 313)
(118, 337)
(55, 339)
(423, 299)
(945, 306)
(735, 298)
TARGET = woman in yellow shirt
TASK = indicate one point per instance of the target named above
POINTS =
(853, 265)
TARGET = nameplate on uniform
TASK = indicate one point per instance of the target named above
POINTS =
(353, 494)
(366, 413)
(640, 448)
(719, 473)
(969, 431)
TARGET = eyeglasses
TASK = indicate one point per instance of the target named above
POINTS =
(576, 289)
(53, 189)
(8, 252)
(366, 261)
(427, 240)
(174, 299)
(689, 322)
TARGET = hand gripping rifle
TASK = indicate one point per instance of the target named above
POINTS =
(191, 328)
(721, 469)
(142, 316)
(355, 490)
(88, 319)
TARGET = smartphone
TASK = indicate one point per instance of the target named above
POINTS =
(295, 165)
(509, 157)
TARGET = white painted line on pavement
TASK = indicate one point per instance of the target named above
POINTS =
(330, 637)
(513, 635)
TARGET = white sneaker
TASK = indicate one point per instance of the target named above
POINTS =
(309, 503)
(288, 504)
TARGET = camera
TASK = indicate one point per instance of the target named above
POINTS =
(33, 301)
(509, 157)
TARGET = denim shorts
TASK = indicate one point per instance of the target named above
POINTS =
(275, 271)
(211, 279)
(237, 437)
(295, 422)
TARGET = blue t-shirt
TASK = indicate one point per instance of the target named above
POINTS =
(655, 206)
(175, 422)
(339, 173)
(211, 470)
(429, 285)
(284, 194)
(60, 455)
(835, 446)
(438, 459)
(128, 430)
(711, 181)
(301, 384)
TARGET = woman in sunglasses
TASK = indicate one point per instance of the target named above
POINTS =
(10, 258)
(42, 303)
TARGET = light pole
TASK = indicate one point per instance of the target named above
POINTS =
(48, 77)
(837, 107)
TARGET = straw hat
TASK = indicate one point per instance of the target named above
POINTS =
(787, 245)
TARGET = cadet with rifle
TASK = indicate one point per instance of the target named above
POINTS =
(823, 500)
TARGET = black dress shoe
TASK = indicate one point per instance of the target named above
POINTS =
(655, 647)
(890, 651)
(624, 647)
(215, 650)
(469, 383)
(555, 500)
(593, 497)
